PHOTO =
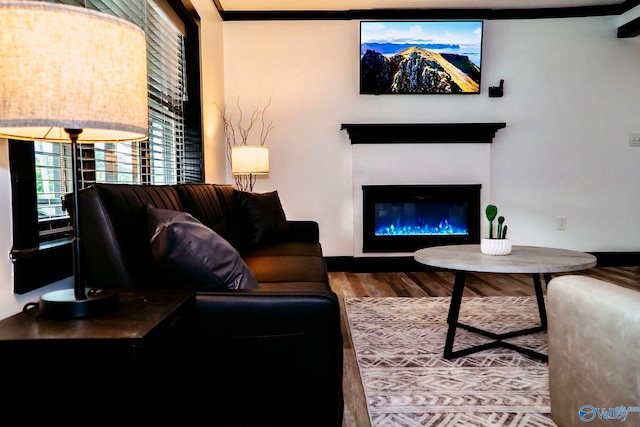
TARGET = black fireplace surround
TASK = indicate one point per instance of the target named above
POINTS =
(405, 218)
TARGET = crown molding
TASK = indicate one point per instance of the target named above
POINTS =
(434, 13)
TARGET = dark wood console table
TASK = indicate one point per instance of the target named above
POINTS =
(143, 347)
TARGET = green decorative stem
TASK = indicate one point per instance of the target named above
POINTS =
(491, 211)
(500, 222)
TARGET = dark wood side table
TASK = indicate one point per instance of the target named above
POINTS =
(142, 348)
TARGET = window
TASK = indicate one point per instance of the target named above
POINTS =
(155, 161)
(172, 154)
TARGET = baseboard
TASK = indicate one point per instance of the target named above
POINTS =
(407, 263)
(617, 259)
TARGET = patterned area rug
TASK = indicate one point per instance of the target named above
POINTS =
(399, 344)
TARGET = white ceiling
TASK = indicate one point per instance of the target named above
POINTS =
(341, 5)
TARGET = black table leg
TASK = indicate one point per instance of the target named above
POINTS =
(540, 297)
(454, 311)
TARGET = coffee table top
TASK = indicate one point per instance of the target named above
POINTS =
(522, 259)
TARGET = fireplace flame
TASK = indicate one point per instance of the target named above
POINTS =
(442, 228)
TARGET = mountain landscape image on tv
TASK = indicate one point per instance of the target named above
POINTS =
(420, 57)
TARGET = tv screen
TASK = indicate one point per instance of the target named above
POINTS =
(420, 57)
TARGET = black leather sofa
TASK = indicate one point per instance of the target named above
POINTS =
(271, 355)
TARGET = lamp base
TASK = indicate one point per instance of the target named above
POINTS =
(63, 304)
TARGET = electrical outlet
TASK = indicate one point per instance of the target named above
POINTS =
(634, 139)
(562, 223)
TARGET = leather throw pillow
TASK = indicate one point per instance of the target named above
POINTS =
(193, 255)
(265, 216)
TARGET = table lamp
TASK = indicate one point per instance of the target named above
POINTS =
(69, 74)
(250, 160)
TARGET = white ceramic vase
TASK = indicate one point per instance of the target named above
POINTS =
(495, 246)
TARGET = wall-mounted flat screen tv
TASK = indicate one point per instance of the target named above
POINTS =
(420, 57)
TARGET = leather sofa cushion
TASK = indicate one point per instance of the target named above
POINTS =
(193, 255)
(288, 268)
(285, 248)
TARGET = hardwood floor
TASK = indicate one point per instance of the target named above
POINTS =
(433, 284)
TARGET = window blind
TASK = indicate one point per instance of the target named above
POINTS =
(158, 160)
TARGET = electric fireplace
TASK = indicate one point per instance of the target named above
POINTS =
(405, 218)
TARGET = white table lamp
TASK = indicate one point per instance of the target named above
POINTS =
(69, 74)
(250, 160)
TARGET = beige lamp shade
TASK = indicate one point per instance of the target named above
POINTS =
(249, 160)
(70, 67)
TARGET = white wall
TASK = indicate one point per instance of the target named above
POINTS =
(629, 16)
(570, 104)
(304, 68)
(569, 108)
(212, 81)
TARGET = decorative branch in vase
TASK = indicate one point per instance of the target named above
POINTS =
(498, 245)
(237, 133)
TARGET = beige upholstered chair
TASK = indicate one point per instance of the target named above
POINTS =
(594, 351)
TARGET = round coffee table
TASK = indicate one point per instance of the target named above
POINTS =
(532, 260)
